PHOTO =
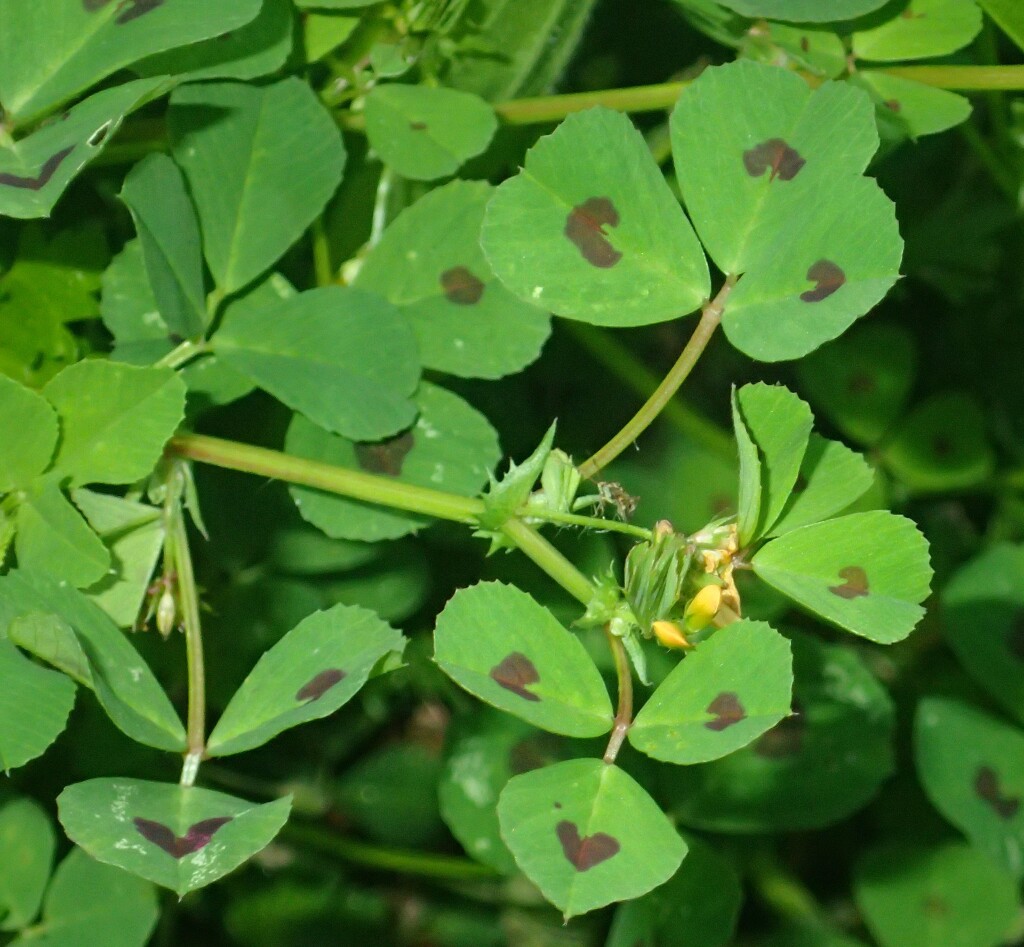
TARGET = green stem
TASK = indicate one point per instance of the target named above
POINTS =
(547, 557)
(622, 363)
(188, 600)
(587, 522)
(311, 473)
(403, 861)
(961, 78)
(552, 108)
(710, 316)
(182, 354)
(323, 272)
(624, 712)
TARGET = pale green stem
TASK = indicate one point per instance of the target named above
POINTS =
(182, 354)
(624, 711)
(587, 522)
(380, 207)
(710, 317)
(961, 78)
(322, 269)
(622, 363)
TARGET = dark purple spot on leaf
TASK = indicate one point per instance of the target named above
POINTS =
(385, 457)
(1015, 636)
(776, 156)
(829, 278)
(462, 286)
(584, 853)
(133, 9)
(46, 172)
(892, 105)
(986, 787)
(515, 673)
(855, 584)
(315, 688)
(418, 126)
(805, 44)
(585, 228)
(178, 846)
(558, 805)
(727, 710)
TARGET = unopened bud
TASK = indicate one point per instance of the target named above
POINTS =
(702, 607)
(669, 634)
(166, 612)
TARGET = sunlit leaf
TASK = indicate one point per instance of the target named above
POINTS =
(179, 837)
(913, 107)
(499, 644)
(587, 834)
(589, 228)
(920, 29)
(308, 674)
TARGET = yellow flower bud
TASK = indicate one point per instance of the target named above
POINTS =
(669, 634)
(702, 607)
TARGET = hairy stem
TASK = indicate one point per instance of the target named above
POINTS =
(587, 522)
(624, 712)
(710, 316)
(625, 366)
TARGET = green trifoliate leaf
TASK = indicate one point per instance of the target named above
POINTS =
(343, 357)
(451, 447)
(983, 623)
(426, 133)
(1010, 17)
(34, 704)
(861, 381)
(809, 266)
(134, 534)
(169, 235)
(777, 424)
(429, 264)
(866, 572)
(499, 644)
(51, 639)
(920, 29)
(811, 769)
(726, 693)
(801, 11)
(30, 434)
(831, 478)
(36, 170)
(700, 902)
(912, 896)
(123, 682)
(88, 904)
(259, 175)
(308, 674)
(115, 419)
(940, 445)
(486, 749)
(913, 108)
(587, 834)
(589, 229)
(54, 538)
(180, 837)
(46, 61)
(258, 48)
(27, 842)
(969, 764)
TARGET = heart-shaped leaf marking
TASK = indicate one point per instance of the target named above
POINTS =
(515, 673)
(727, 710)
(855, 584)
(46, 172)
(986, 787)
(775, 155)
(585, 227)
(586, 852)
(178, 846)
(462, 286)
(385, 457)
(315, 688)
(829, 277)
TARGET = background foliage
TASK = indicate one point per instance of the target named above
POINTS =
(340, 229)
